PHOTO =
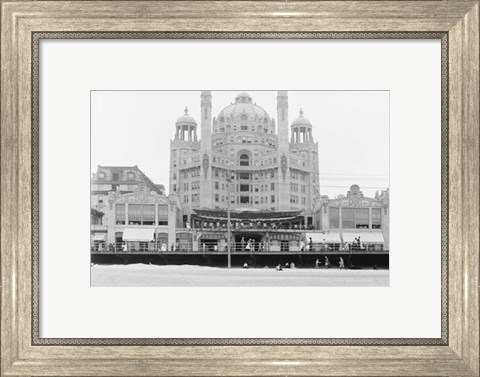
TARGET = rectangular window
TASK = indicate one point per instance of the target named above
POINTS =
(348, 218)
(134, 214)
(272, 198)
(334, 215)
(216, 172)
(216, 186)
(115, 177)
(272, 174)
(361, 218)
(244, 188)
(244, 176)
(120, 214)
(376, 218)
(148, 214)
(163, 214)
(244, 199)
(216, 197)
(272, 186)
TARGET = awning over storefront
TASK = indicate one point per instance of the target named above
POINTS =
(99, 237)
(214, 236)
(331, 237)
(235, 215)
(138, 234)
(374, 237)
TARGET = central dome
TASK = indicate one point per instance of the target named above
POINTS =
(243, 106)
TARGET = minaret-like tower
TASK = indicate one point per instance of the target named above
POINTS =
(283, 151)
(206, 150)
(185, 138)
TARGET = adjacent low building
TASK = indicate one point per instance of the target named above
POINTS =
(142, 219)
(354, 216)
(123, 178)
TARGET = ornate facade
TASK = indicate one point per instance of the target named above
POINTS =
(245, 159)
(113, 178)
(353, 215)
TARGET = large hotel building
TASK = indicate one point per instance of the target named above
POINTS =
(243, 163)
(244, 156)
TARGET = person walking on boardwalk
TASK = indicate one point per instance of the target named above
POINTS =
(317, 263)
(327, 262)
(242, 242)
(341, 264)
(249, 246)
(302, 246)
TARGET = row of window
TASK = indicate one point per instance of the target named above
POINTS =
(294, 199)
(141, 214)
(247, 176)
(298, 175)
(244, 199)
(188, 173)
(117, 176)
(243, 127)
(295, 186)
(195, 198)
(245, 161)
(105, 187)
(355, 218)
(245, 140)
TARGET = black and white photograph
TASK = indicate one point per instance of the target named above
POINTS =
(239, 188)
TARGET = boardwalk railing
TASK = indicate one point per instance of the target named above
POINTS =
(216, 249)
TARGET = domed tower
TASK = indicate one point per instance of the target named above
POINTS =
(184, 143)
(301, 130)
(186, 127)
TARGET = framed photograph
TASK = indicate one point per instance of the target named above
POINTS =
(240, 188)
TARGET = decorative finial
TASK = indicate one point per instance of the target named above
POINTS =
(186, 110)
(301, 112)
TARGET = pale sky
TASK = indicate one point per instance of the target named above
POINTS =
(351, 128)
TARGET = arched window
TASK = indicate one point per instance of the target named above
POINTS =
(244, 160)
(243, 120)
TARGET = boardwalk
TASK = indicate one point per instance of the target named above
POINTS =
(139, 275)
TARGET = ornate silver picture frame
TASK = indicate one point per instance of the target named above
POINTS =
(24, 24)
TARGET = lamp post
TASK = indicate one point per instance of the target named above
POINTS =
(229, 243)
